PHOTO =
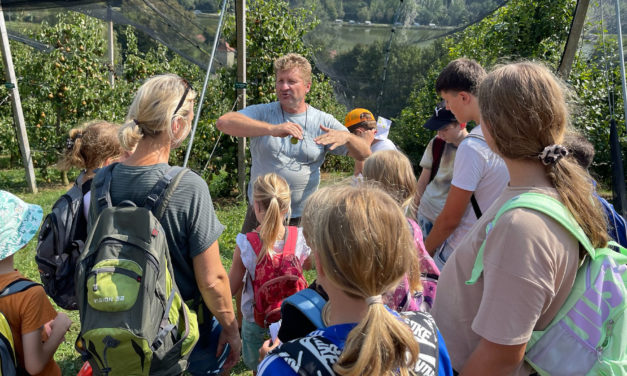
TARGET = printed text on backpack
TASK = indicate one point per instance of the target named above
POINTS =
(588, 336)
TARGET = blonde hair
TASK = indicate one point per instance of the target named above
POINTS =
(523, 107)
(364, 247)
(291, 61)
(272, 193)
(152, 110)
(90, 145)
(394, 171)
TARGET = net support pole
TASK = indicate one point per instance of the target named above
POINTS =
(110, 32)
(240, 16)
(204, 86)
(18, 115)
(572, 43)
(622, 56)
(619, 187)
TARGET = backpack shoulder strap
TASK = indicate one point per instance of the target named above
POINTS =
(309, 303)
(160, 194)
(103, 193)
(289, 248)
(475, 206)
(544, 204)
(437, 150)
(178, 173)
(312, 355)
(16, 286)
(255, 241)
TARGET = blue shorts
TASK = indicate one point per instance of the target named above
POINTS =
(425, 225)
(253, 337)
(203, 359)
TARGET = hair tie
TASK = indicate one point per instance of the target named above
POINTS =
(552, 153)
(375, 299)
(69, 143)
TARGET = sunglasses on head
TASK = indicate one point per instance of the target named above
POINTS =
(188, 87)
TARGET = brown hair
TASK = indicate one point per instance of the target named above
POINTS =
(90, 145)
(523, 107)
(152, 110)
(364, 247)
(460, 75)
(291, 61)
(273, 195)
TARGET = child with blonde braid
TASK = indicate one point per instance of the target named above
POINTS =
(272, 250)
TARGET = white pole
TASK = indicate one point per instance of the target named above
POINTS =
(18, 115)
(240, 9)
(622, 57)
(204, 86)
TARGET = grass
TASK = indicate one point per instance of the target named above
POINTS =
(231, 215)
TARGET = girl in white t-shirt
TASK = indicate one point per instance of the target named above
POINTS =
(271, 203)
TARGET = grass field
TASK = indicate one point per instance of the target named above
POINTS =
(231, 215)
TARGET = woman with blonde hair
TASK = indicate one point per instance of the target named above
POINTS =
(363, 248)
(158, 120)
(393, 170)
(529, 260)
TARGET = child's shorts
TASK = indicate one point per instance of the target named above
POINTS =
(253, 337)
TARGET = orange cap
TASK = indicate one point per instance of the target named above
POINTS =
(357, 116)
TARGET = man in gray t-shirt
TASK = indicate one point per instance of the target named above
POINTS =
(290, 137)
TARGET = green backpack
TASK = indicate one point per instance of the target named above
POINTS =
(588, 336)
(8, 361)
(133, 319)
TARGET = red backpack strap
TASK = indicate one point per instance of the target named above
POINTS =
(290, 243)
(437, 149)
(255, 241)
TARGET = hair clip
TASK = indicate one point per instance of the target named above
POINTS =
(552, 154)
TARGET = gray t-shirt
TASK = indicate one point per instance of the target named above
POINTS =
(298, 164)
(190, 222)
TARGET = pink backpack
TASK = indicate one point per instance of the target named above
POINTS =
(402, 299)
(276, 278)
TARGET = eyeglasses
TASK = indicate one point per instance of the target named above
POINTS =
(188, 87)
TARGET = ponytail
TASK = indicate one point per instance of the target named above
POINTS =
(388, 345)
(270, 225)
(576, 191)
(129, 135)
(272, 193)
(89, 146)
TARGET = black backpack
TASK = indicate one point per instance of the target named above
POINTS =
(61, 240)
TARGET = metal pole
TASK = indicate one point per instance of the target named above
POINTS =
(18, 115)
(111, 62)
(622, 57)
(204, 86)
(572, 42)
(240, 16)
